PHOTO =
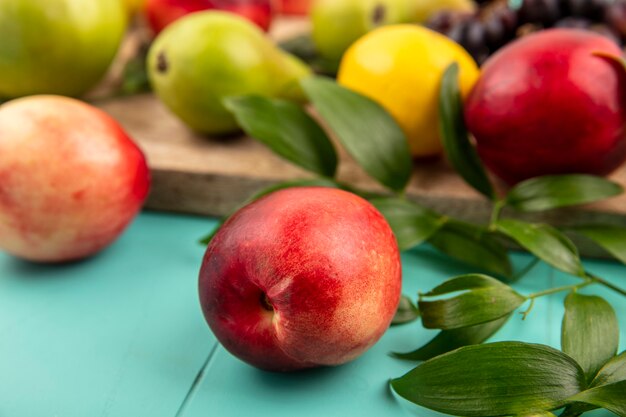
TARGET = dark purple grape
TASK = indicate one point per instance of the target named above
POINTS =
(615, 17)
(457, 32)
(470, 34)
(440, 22)
(530, 11)
(495, 32)
(590, 9)
(604, 30)
(450, 22)
(544, 12)
(595, 9)
(474, 36)
(577, 8)
(564, 7)
(552, 12)
(509, 19)
(499, 21)
(499, 24)
(574, 23)
(443, 21)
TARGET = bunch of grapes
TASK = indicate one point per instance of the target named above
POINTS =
(498, 22)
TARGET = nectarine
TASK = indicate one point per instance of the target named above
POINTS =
(71, 179)
(550, 103)
(301, 278)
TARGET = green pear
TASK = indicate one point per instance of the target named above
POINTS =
(337, 24)
(57, 46)
(207, 56)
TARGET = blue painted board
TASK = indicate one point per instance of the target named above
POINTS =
(117, 335)
(122, 335)
(230, 388)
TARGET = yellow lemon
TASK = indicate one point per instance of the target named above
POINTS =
(400, 67)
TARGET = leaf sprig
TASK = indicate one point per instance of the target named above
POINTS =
(461, 376)
(513, 378)
(506, 378)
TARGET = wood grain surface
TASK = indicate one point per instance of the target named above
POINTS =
(208, 176)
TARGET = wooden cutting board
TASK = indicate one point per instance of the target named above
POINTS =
(201, 175)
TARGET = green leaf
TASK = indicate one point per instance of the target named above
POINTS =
(287, 130)
(135, 75)
(545, 242)
(474, 246)
(304, 48)
(301, 46)
(365, 129)
(483, 299)
(464, 282)
(204, 241)
(497, 379)
(613, 371)
(576, 409)
(309, 182)
(590, 332)
(411, 223)
(611, 238)
(312, 182)
(611, 397)
(455, 138)
(544, 193)
(407, 312)
(447, 340)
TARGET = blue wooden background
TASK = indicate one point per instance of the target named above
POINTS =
(122, 334)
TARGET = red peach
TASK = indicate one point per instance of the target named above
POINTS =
(161, 13)
(549, 104)
(293, 7)
(301, 278)
(71, 180)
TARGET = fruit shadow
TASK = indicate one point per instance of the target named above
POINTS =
(24, 270)
(349, 382)
(223, 138)
(299, 380)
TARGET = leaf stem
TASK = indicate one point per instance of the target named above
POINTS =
(529, 309)
(495, 214)
(560, 289)
(607, 284)
(589, 280)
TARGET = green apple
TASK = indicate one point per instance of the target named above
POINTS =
(57, 46)
(337, 24)
(205, 57)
